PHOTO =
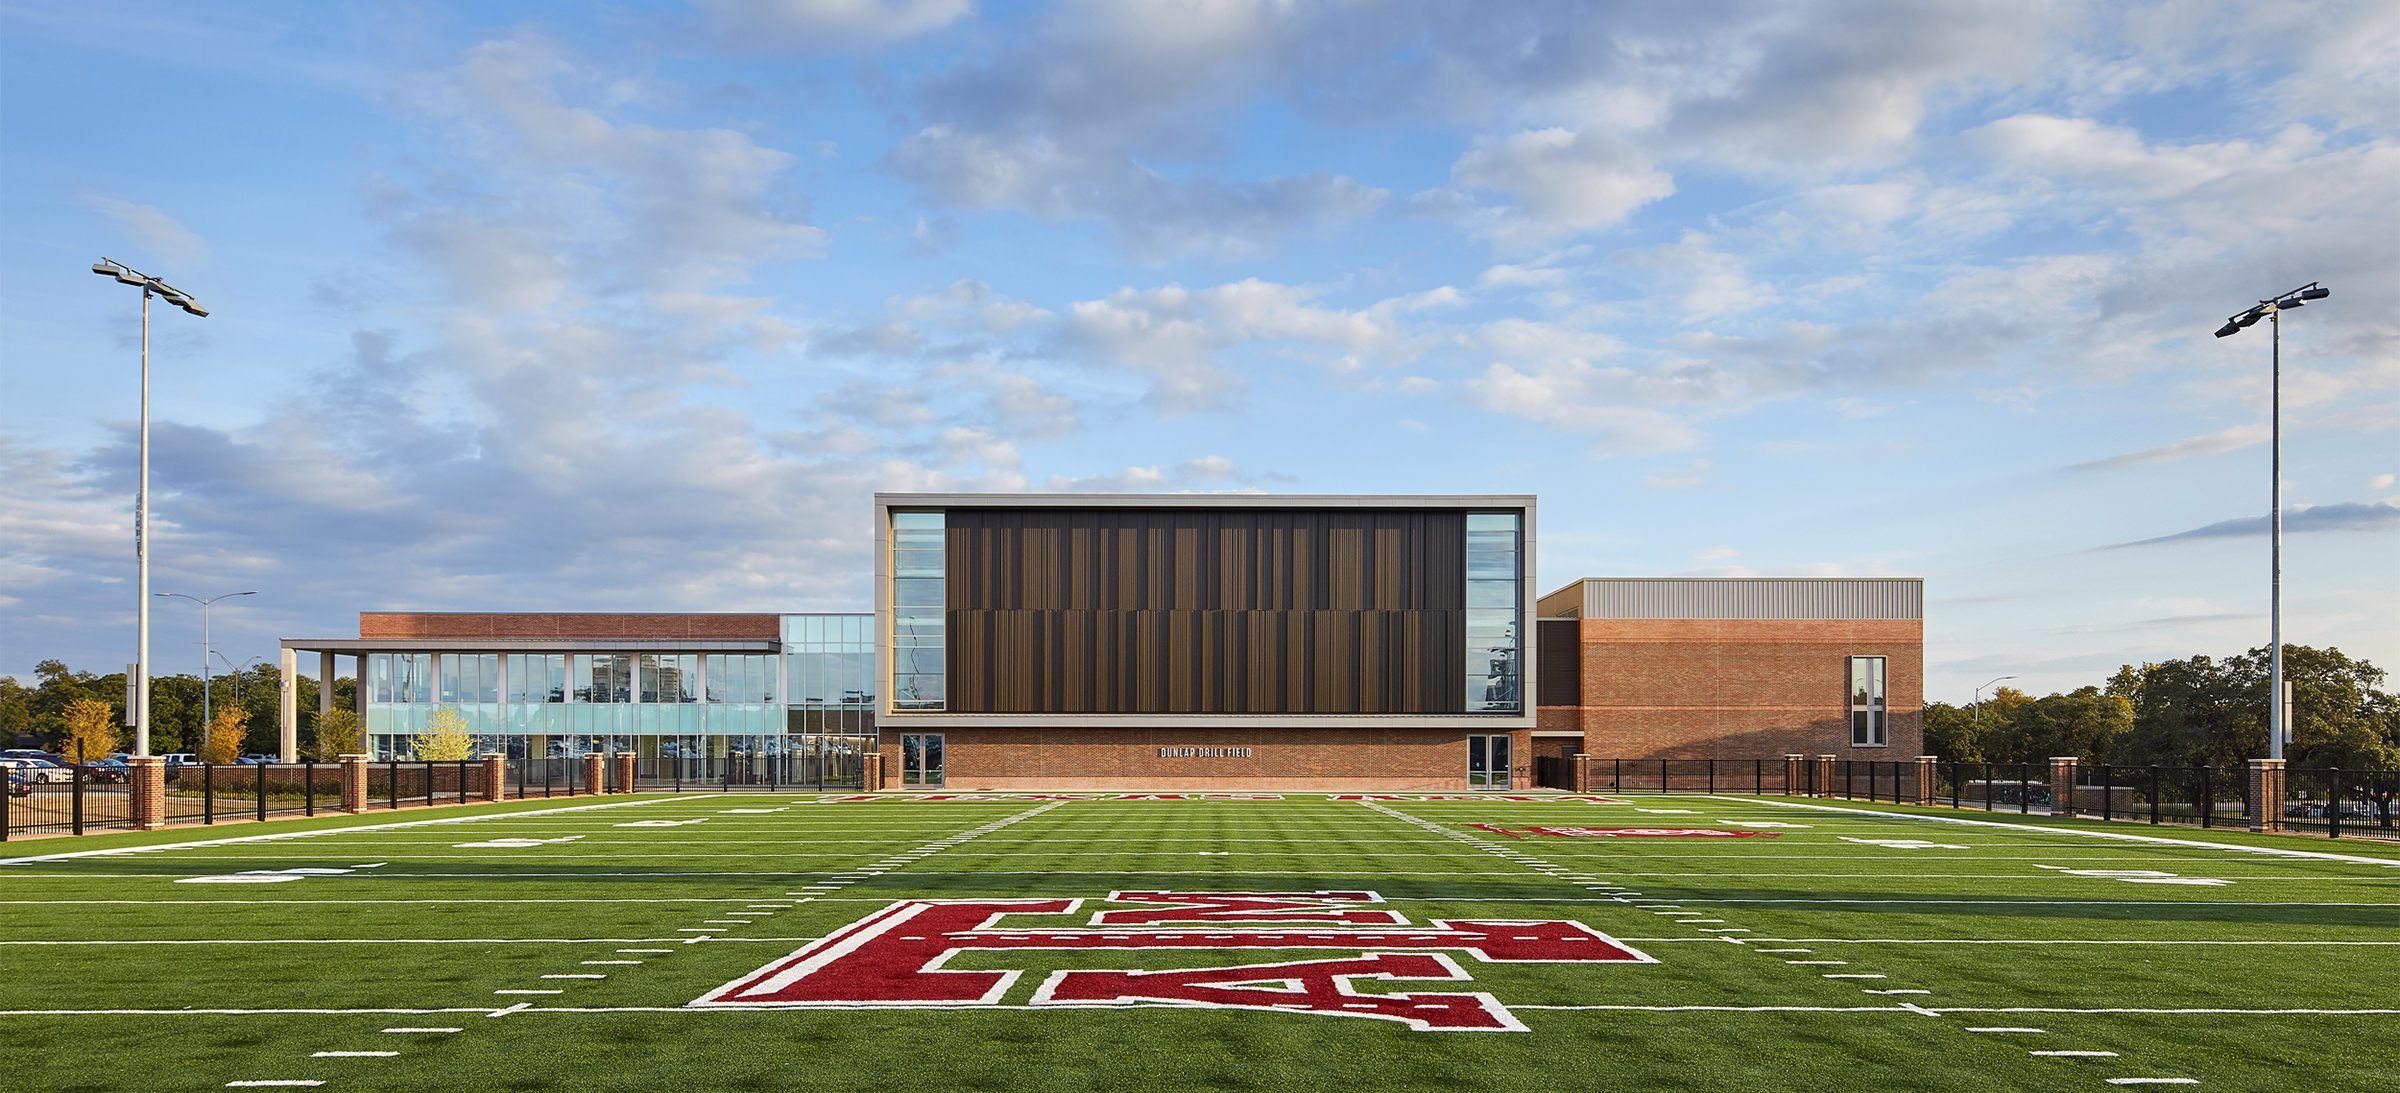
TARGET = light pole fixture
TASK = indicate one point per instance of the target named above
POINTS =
(204, 646)
(239, 672)
(1978, 717)
(141, 498)
(2272, 310)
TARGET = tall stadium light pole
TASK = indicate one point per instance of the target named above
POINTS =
(141, 498)
(205, 676)
(2272, 310)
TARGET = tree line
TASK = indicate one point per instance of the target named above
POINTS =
(2185, 713)
(66, 708)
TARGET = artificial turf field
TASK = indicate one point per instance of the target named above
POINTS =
(563, 944)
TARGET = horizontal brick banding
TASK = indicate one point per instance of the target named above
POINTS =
(1735, 688)
(562, 625)
(1424, 760)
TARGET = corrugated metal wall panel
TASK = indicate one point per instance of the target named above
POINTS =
(1740, 598)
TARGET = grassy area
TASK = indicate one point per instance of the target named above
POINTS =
(1829, 948)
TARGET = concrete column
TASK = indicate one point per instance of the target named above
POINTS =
(874, 771)
(2266, 794)
(287, 707)
(1825, 775)
(1795, 775)
(149, 788)
(2062, 784)
(495, 775)
(625, 772)
(354, 784)
(1928, 771)
(1583, 772)
(595, 779)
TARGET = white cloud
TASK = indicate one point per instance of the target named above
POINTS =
(2224, 440)
(1562, 180)
(825, 26)
(153, 230)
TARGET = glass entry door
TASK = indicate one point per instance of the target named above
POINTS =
(921, 759)
(1487, 762)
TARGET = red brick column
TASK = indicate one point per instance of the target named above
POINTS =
(495, 775)
(624, 772)
(874, 773)
(1520, 760)
(354, 784)
(2266, 795)
(149, 792)
(1825, 775)
(1795, 775)
(2062, 785)
(1928, 771)
(595, 777)
(1583, 772)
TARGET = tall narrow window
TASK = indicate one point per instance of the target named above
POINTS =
(1495, 664)
(1866, 702)
(918, 599)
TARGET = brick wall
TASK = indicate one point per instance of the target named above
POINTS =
(562, 625)
(1294, 760)
(1740, 688)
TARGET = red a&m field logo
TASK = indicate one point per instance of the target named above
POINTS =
(894, 958)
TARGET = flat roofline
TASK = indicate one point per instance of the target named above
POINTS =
(1723, 580)
(532, 645)
(628, 614)
(1204, 500)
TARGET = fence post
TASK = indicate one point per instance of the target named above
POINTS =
(354, 783)
(2266, 795)
(1928, 769)
(258, 778)
(1794, 777)
(625, 771)
(1824, 785)
(595, 779)
(2208, 796)
(2153, 794)
(495, 775)
(208, 793)
(392, 791)
(1583, 772)
(2108, 790)
(308, 787)
(78, 782)
(2062, 785)
(2333, 803)
(1712, 775)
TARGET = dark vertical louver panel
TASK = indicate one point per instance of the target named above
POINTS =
(1558, 649)
(1206, 610)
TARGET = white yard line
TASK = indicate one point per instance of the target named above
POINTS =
(310, 834)
(2159, 840)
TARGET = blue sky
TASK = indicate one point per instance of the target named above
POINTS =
(548, 307)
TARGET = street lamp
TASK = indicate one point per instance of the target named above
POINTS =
(2272, 310)
(1979, 697)
(204, 646)
(141, 498)
(239, 672)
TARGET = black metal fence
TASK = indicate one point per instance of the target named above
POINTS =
(2325, 801)
(74, 800)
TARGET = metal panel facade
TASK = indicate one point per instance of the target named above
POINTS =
(1739, 598)
(1057, 610)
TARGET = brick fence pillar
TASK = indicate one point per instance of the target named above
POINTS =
(1795, 775)
(873, 780)
(2062, 785)
(149, 792)
(1928, 772)
(1583, 772)
(495, 775)
(354, 783)
(2266, 795)
(624, 772)
(595, 774)
(1825, 775)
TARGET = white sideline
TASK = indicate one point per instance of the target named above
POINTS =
(326, 831)
(2125, 836)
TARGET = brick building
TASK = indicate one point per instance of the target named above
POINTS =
(1174, 643)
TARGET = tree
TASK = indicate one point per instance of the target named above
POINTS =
(227, 729)
(336, 735)
(1950, 733)
(91, 730)
(446, 737)
(2085, 722)
(2198, 711)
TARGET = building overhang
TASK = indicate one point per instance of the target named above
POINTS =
(902, 721)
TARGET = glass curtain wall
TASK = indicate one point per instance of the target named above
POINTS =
(918, 597)
(1495, 594)
(830, 713)
(561, 705)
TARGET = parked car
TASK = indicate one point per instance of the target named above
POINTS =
(256, 759)
(39, 770)
(180, 759)
(19, 785)
(34, 753)
(107, 772)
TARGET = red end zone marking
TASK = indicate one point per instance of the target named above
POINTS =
(894, 957)
(1626, 832)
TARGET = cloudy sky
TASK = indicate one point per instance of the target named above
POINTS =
(551, 306)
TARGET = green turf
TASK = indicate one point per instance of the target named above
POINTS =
(124, 975)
